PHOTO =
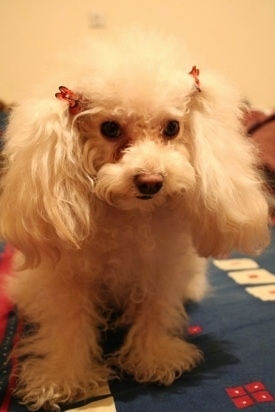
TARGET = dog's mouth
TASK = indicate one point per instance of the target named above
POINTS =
(145, 197)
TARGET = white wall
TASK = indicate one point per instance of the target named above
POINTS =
(235, 37)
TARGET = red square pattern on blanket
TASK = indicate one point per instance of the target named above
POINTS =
(235, 392)
(243, 402)
(255, 387)
(195, 330)
(248, 395)
(263, 396)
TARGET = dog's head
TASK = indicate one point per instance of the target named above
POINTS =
(136, 129)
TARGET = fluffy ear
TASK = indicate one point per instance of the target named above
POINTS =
(231, 211)
(44, 190)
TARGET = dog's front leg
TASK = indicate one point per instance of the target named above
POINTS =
(154, 349)
(60, 359)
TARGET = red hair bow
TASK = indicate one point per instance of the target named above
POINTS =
(195, 73)
(73, 99)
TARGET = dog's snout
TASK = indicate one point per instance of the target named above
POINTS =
(149, 184)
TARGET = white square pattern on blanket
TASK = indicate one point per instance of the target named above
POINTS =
(265, 293)
(235, 264)
(252, 277)
(246, 271)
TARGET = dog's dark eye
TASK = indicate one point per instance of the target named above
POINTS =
(110, 129)
(172, 128)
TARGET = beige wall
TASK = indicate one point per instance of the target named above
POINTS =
(235, 37)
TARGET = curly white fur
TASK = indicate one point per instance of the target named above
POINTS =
(92, 240)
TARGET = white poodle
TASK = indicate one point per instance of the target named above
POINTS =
(114, 193)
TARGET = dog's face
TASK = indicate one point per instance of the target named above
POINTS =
(138, 158)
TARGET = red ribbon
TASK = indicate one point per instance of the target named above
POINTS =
(195, 73)
(73, 99)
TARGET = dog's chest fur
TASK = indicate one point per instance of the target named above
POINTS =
(132, 251)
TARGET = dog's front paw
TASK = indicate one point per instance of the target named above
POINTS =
(41, 385)
(162, 362)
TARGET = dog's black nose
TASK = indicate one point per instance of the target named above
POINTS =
(149, 184)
